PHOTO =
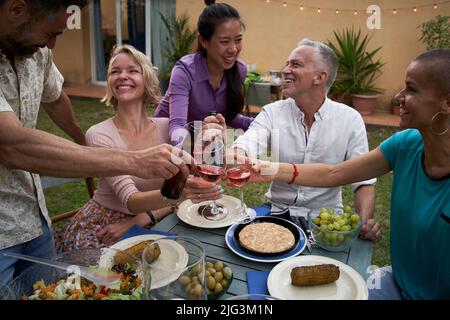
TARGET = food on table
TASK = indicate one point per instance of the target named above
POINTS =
(335, 229)
(69, 288)
(217, 277)
(314, 275)
(206, 210)
(266, 237)
(136, 252)
(339, 222)
(152, 253)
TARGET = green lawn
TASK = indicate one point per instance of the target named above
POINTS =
(73, 195)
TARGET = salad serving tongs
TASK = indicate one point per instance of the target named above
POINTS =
(100, 277)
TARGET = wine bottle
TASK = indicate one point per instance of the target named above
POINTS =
(173, 187)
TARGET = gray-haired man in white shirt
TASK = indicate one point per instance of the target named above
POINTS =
(308, 127)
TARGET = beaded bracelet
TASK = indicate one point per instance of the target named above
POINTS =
(152, 217)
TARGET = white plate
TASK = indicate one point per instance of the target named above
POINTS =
(173, 256)
(349, 286)
(188, 213)
(237, 249)
(106, 260)
(129, 242)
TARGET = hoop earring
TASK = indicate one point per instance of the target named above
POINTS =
(432, 122)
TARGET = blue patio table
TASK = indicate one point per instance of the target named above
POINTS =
(359, 256)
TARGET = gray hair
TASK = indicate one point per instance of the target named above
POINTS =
(327, 57)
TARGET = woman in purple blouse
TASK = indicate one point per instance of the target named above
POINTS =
(210, 79)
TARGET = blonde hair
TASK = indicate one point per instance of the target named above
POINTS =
(152, 92)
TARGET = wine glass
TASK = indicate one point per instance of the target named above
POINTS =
(176, 269)
(238, 175)
(210, 156)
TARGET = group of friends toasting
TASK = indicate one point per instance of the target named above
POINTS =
(322, 144)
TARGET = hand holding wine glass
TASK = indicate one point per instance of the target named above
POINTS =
(238, 174)
(198, 190)
(211, 166)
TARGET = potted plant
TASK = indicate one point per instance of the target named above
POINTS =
(436, 32)
(395, 107)
(358, 70)
(179, 44)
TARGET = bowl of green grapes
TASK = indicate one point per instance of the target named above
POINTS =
(334, 229)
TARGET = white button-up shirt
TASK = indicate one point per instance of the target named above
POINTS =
(21, 196)
(337, 134)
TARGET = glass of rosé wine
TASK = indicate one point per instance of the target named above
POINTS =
(211, 167)
(238, 175)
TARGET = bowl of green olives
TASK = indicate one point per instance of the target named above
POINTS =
(218, 278)
(334, 229)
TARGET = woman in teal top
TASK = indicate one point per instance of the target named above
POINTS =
(420, 204)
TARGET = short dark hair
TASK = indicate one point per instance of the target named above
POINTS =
(40, 7)
(437, 68)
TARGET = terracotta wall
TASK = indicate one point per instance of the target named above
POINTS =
(72, 53)
(273, 30)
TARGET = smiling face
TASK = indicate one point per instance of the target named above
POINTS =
(126, 79)
(224, 46)
(419, 100)
(28, 36)
(302, 71)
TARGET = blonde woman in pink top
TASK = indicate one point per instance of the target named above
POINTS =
(122, 201)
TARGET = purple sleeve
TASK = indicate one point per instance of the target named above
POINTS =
(241, 121)
(180, 87)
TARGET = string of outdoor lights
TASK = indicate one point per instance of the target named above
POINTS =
(303, 8)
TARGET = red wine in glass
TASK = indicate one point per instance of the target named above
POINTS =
(237, 177)
(210, 173)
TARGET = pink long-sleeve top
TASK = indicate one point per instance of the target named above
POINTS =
(114, 192)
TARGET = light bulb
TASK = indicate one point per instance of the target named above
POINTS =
(394, 11)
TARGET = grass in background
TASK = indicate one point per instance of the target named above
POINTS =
(88, 112)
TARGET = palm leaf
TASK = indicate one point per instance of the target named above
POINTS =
(358, 68)
(180, 39)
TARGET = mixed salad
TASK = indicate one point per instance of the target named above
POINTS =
(74, 287)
